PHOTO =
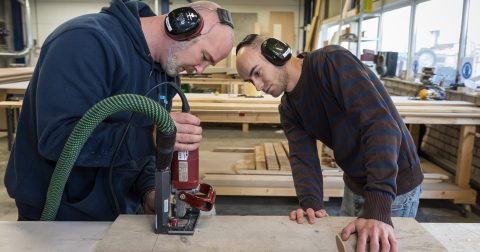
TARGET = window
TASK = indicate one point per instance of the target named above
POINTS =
(436, 43)
(473, 40)
(369, 34)
(395, 34)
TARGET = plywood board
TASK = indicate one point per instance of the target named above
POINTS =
(282, 157)
(252, 233)
(285, 19)
(271, 157)
(260, 163)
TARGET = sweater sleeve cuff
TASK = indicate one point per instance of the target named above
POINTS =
(377, 206)
(311, 203)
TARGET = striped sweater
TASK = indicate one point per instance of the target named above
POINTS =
(342, 103)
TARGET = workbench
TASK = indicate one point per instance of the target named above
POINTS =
(234, 109)
(226, 108)
(224, 233)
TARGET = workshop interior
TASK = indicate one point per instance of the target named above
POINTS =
(251, 173)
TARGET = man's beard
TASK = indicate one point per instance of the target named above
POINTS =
(172, 60)
(282, 83)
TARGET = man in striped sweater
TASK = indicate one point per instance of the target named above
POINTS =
(329, 95)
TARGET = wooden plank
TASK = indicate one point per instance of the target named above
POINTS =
(134, 233)
(464, 155)
(285, 147)
(263, 172)
(15, 74)
(275, 185)
(260, 163)
(415, 132)
(270, 157)
(234, 149)
(429, 167)
(245, 128)
(406, 101)
(220, 162)
(331, 173)
(11, 104)
(245, 164)
(282, 157)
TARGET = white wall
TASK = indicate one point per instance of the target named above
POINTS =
(48, 14)
(263, 9)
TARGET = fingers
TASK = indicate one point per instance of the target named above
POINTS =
(189, 133)
(373, 235)
(299, 214)
(188, 138)
(348, 230)
(186, 147)
(374, 242)
(310, 216)
(385, 246)
(184, 118)
(321, 213)
(362, 242)
(188, 129)
(393, 243)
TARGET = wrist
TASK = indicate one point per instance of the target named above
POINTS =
(145, 195)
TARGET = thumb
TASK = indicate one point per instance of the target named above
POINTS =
(348, 230)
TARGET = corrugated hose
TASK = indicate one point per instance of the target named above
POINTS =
(83, 129)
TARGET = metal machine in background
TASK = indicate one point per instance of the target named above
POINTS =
(15, 25)
(386, 63)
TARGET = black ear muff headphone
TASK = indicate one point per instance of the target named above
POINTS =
(274, 50)
(185, 23)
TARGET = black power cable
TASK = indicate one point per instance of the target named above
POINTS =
(185, 107)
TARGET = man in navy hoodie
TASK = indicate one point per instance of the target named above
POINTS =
(123, 49)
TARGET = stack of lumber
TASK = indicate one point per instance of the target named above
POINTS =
(226, 82)
(10, 75)
(227, 109)
(265, 170)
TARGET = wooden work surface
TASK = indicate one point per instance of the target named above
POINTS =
(252, 233)
(15, 74)
(86, 236)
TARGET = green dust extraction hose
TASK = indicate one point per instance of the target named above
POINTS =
(81, 132)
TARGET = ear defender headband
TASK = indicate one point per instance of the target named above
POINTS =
(185, 23)
(274, 50)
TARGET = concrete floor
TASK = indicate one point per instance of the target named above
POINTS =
(232, 136)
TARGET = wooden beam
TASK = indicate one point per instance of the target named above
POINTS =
(464, 155)
(260, 163)
(281, 157)
(272, 162)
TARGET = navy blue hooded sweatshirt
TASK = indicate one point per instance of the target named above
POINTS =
(84, 61)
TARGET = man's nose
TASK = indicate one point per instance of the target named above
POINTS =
(258, 85)
(201, 67)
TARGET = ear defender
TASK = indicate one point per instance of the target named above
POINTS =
(276, 51)
(183, 24)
